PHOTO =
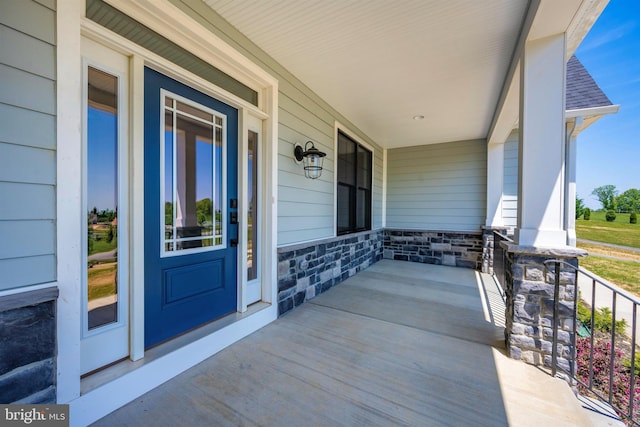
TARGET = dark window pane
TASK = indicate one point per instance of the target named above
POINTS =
(346, 160)
(364, 168)
(344, 208)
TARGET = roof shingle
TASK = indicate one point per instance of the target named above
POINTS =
(582, 90)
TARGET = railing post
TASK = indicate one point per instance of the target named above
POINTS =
(556, 298)
(499, 257)
(489, 244)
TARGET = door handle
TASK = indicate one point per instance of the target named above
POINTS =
(233, 243)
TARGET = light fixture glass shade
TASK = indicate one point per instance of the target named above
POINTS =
(311, 158)
(313, 166)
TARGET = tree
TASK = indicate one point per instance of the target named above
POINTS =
(629, 201)
(579, 207)
(204, 210)
(110, 234)
(606, 194)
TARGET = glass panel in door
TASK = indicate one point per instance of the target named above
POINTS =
(252, 226)
(102, 198)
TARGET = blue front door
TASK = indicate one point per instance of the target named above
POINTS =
(191, 157)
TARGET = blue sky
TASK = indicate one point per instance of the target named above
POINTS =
(102, 162)
(609, 150)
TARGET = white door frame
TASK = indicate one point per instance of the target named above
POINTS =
(171, 22)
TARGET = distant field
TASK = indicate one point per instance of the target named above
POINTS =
(619, 232)
(606, 251)
(625, 274)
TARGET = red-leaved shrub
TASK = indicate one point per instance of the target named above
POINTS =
(620, 392)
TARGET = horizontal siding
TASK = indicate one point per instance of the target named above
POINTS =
(295, 195)
(25, 90)
(26, 164)
(29, 17)
(510, 184)
(51, 4)
(303, 116)
(27, 271)
(511, 165)
(437, 187)
(27, 127)
(376, 191)
(27, 143)
(41, 54)
(26, 238)
(27, 201)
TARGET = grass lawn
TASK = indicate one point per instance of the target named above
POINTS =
(102, 280)
(103, 246)
(625, 274)
(618, 232)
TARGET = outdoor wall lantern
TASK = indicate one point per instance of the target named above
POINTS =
(311, 158)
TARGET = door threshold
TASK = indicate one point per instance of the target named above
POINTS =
(111, 372)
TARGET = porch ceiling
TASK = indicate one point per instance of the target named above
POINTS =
(380, 62)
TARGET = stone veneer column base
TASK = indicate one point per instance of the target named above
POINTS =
(487, 246)
(28, 347)
(530, 299)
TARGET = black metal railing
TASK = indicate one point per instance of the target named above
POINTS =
(604, 357)
(499, 258)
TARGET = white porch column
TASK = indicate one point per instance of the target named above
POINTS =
(495, 183)
(542, 129)
(573, 128)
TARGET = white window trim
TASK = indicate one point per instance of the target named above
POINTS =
(344, 129)
(171, 22)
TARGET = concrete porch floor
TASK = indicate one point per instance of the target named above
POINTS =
(398, 344)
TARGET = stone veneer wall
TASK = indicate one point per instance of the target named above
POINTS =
(459, 249)
(28, 347)
(488, 245)
(529, 295)
(308, 269)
